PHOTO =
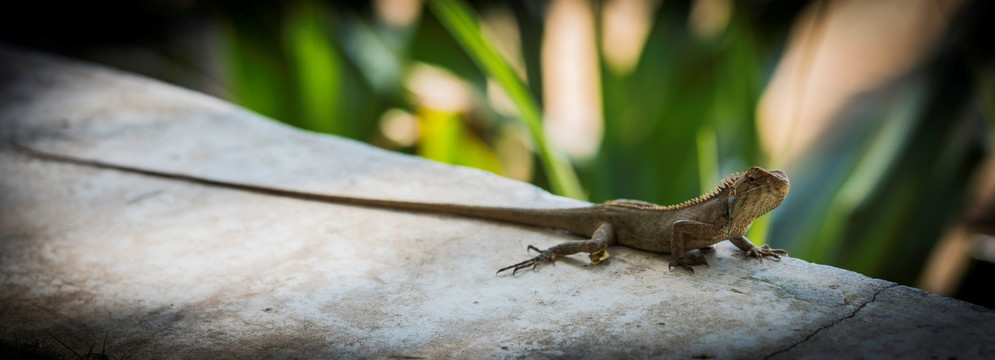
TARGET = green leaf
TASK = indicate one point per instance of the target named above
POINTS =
(457, 17)
(317, 68)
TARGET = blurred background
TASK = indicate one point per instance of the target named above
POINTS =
(881, 112)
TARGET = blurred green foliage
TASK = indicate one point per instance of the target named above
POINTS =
(462, 24)
(682, 119)
(299, 68)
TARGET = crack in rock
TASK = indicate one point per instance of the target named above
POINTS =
(834, 323)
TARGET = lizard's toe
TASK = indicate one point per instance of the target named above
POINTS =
(775, 251)
(765, 251)
(544, 256)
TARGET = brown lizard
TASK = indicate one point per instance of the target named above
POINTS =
(725, 214)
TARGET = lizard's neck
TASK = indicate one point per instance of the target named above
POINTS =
(739, 220)
(745, 208)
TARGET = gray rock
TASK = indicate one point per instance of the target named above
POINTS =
(155, 268)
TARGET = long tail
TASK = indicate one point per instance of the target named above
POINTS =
(570, 219)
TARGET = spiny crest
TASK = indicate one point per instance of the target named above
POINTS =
(726, 183)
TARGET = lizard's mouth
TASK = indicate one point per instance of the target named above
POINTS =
(774, 188)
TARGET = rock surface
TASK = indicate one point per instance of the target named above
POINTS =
(153, 268)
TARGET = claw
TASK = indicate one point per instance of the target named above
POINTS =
(542, 258)
(766, 250)
(776, 251)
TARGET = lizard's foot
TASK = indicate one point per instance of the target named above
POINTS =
(545, 256)
(598, 256)
(687, 261)
(766, 250)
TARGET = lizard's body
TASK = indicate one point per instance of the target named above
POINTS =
(726, 214)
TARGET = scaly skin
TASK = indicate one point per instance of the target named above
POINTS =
(725, 214)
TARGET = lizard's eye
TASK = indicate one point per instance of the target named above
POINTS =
(751, 179)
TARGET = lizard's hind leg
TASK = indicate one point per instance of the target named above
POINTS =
(596, 246)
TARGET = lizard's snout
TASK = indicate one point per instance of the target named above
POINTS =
(781, 176)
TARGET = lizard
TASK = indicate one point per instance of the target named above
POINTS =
(724, 214)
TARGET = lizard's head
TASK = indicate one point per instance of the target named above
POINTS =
(758, 191)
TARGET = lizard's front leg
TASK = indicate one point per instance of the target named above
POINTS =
(757, 252)
(690, 234)
(603, 237)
